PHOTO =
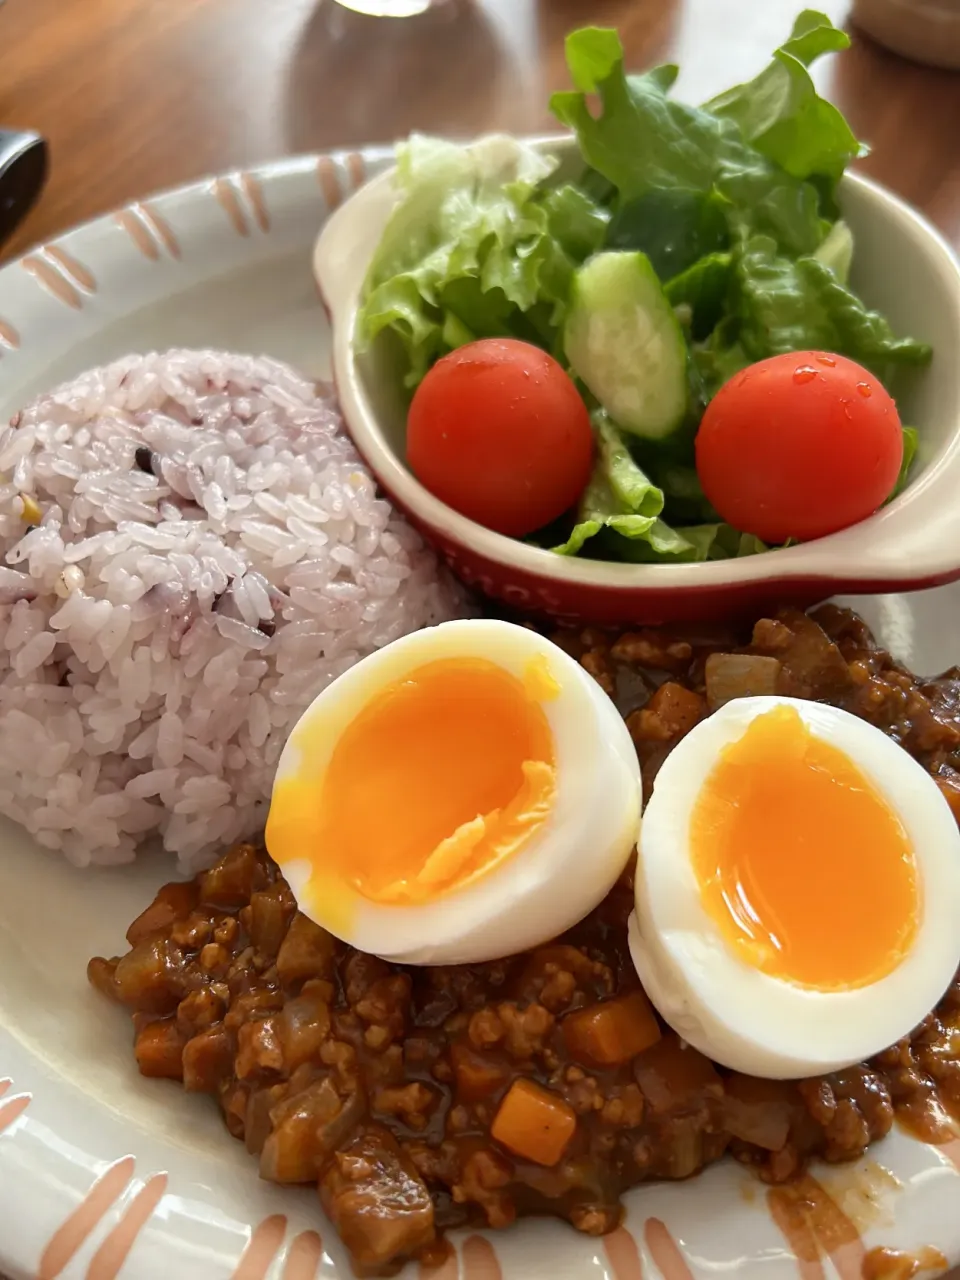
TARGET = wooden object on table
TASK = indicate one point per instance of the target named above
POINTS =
(925, 30)
(140, 94)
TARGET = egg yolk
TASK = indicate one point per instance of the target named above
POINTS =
(802, 864)
(441, 776)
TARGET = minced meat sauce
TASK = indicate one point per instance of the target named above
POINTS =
(382, 1083)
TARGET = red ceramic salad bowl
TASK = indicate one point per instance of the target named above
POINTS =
(903, 267)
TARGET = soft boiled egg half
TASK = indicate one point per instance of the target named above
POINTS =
(797, 890)
(464, 793)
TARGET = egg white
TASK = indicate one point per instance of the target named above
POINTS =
(734, 1013)
(564, 870)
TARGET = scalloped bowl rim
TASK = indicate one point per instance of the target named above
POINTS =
(839, 558)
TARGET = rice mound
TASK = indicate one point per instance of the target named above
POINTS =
(193, 551)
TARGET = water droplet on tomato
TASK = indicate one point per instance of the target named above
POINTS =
(828, 361)
(865, 390)
(803, 373)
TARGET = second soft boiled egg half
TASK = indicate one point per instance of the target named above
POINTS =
(463, 794)
(797, 889)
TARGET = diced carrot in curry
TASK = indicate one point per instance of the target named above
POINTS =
(159, 1050)
(612, 1032)
(534, 1123)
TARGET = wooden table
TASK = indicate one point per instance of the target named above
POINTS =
(139, 94)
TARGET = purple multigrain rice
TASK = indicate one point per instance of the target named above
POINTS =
(164, 625)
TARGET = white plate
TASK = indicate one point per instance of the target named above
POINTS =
(103, 1174)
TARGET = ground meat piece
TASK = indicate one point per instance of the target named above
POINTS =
(193, 932)
(525, 1030)
(377, 1200)
(198, 1011)
(583, 1093)
(852, 1108)
(342, 1057)
(558, 990)
(848, 1134)
(671, 712)
(484, 1176)
(435, 1163)
(653, 649)
(214, 959)
(595, 1219)
(869, 1092)
(820, 1100)
(226, 931)
(596, 662)
(546, 978)
(623, 1108)
(383, 1005)
(486, 1028)
(412, 1103)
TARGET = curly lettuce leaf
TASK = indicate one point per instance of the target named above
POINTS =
(468, 250)
(618, 496)
(642, 140)
(781, 114)
(620, 513)
(797, 304)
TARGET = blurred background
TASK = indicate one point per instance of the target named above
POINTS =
(139, 94)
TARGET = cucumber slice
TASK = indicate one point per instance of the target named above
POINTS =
(625, 343)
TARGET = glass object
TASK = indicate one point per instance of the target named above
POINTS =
(387, 8)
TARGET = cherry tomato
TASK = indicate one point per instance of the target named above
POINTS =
(498, 431)
(799, 446)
